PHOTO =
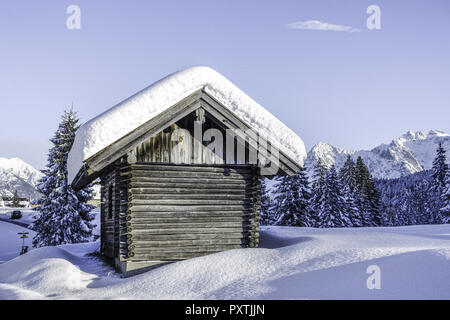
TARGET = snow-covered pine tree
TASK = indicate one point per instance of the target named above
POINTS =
(266, 218)
(440, 172)
(350, 191)
(407, 200)
(291, 203)
(2, 203)
(369, 203)
(65, 216)
(317, 190)
(333, 212)
(445, 209)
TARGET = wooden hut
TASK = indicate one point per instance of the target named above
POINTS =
(170, 193)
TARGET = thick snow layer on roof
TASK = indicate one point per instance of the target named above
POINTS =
(116, 122)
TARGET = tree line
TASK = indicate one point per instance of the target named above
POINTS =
(350, 197)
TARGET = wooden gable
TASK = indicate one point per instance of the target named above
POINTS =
(154, 141)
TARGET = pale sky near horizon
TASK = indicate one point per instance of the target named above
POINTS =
(352, 89)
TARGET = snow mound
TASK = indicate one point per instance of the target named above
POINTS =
(48, 269)
(116, 122)
(292, 263)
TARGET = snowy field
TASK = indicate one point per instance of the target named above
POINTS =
(293, 263)
(27, 214)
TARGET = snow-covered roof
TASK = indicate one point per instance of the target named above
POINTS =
(113, 124)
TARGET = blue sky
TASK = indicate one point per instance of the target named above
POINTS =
(352, 89)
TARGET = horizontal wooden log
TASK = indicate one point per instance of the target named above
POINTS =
(190, 213)
(189, 202)
(194, 168)
(189, 225)
(131, 238)
(188, 174)
(173, 256)
(175, 230)
(180, 243)
(189, 249)
(155, 208)
(150, 219)
(169, 180)
(191, 185)
(186, 196)
(193, 189)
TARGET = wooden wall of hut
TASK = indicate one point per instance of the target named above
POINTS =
(179, 212)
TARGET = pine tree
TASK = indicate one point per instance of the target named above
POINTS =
(317, 189)
(440, 172)
(15, 200)
(266, 204)
(318, 185)
(350, 191)
(445, 209)
(65, 216)
(333, 213)
(291, 202)
(369, 201)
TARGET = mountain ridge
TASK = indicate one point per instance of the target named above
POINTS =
(16, 174)
(412, 152)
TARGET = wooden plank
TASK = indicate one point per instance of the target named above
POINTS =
(181, 192)
(241, 196)
(187, 225)
(167, 251)
(184, 236)
(148, 172)
(181, 185)
(188, 214)
(188, 202)
(180, 243)
(192, 168)
(192, 230)
(151, 208)
(170, 257)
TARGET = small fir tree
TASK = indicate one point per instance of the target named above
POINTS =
(65, 215)
(439, 187)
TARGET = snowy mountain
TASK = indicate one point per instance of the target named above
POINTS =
(15, 174)
(412, 152)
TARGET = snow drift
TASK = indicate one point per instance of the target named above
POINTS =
(116, 122)
(292, 263)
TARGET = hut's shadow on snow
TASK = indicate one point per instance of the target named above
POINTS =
(270, 241)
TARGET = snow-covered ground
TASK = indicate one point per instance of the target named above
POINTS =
(292, 263)
(10, 242)
(28, 214)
